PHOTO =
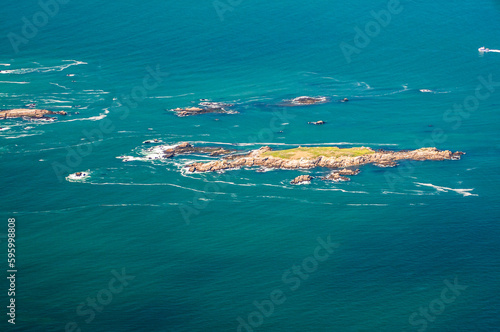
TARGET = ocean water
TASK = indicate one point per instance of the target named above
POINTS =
(204, 252)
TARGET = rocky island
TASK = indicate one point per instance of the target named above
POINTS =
(328, 157)
(28, 112)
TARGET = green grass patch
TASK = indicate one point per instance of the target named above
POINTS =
(314, 152)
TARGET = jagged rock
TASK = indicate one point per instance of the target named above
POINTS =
(186, 148)
(301, 179)
(219, 152)
(336, 177)
(347, 171)
(320, 122)
(385, 163)
(457, 155)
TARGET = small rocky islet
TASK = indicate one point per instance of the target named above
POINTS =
(31, 113)
(343, 161)
(204, 107)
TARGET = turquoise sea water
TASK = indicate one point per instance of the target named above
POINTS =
(204, 247)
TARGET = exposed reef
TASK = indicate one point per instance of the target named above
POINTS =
(28, 113)
(204, 108)
(306, 100)
(311, 157)
(186, 148)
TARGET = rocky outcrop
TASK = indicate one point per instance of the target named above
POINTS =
(386, 163)
(187, 148)
(302, 179)
(305, 100)
(320, 122)
(205, 107)
(336, 177)
(258, 158)
(348, 171)
(152, 141)
(28, 112)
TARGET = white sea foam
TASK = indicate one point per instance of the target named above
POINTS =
(92, 118)
(95, 92)
(368, 204)
(168, 97)
(464, 192)
(150, 154)
(23, 71)
(386, 192)
(61, 86)
(432, 91)
(11, 82)
(22, 135)
(82, 178)
(157, 184)
(57, 101)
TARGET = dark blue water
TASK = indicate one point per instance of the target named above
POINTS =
(203, 252)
